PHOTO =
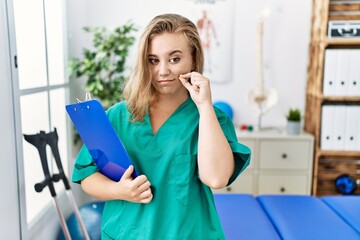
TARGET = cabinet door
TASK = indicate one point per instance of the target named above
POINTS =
(284, 155)
(243, 184)
(269, 184)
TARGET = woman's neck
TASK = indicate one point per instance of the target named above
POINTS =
(162, 107)
(168, 102)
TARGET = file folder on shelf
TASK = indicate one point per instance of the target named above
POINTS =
(354, 73)
(329, 81)
(100, 138)
(339, 127)
(327, 127)
(342, 72)
(352, 128)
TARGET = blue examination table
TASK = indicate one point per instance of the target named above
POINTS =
(347, 207)
(289, 217)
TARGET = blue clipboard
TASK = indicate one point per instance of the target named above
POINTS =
(100, 138)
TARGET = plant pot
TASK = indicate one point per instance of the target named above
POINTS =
(293, 127)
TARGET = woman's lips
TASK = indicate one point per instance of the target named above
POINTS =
(166, 81)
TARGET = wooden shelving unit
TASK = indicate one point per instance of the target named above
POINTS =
(328, 164)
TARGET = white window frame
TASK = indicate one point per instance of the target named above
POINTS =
(46, 223)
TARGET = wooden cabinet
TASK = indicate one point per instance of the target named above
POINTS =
(280, 164)
(328, 164)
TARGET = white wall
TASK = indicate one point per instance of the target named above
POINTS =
(286, 43)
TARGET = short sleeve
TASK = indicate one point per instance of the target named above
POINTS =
(241, 152)
(84, 165)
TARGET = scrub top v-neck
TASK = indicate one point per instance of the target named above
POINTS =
(182, 206)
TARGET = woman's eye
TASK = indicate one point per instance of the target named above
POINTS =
(174, 59)
(153, 61)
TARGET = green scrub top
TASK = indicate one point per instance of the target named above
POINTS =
(182, 206)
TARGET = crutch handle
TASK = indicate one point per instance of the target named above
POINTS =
(47, 182)
(56, 177)
(41, 185)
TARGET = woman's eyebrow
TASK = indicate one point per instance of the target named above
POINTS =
(175, 51)
(170, 53)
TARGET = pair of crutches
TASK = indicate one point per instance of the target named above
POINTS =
(40, 141)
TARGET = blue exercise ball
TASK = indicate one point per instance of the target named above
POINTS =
(345, 184)
(225, 107)
(91, 215)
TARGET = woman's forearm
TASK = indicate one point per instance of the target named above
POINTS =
(99, 186)
(134, 190)
(215, 157)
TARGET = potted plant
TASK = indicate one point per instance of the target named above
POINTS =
(103, 66)
(293, 121)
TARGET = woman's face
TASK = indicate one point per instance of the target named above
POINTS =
(169, 56)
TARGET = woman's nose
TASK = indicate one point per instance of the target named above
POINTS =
(164, 69)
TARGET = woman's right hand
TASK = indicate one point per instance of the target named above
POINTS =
(133, 190)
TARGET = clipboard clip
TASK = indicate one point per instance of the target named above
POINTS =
(87, 98)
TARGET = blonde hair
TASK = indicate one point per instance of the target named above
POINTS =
(138, 90)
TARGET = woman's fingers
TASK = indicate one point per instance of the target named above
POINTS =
(185, 80)
(127, 173)
(144, 193)
(146, 196)
(141, 189)
(146, 185)
(198, 87)
(192, 81)
(134, 190)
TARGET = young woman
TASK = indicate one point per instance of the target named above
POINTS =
(180, 145)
